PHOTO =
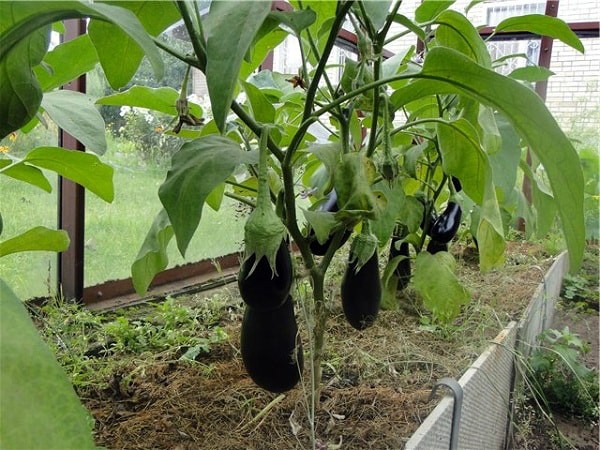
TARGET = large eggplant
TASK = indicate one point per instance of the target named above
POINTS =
(330, 205)
(402, 271)
(361, 293)
(444, 228)
(271, 347)
(263, 289)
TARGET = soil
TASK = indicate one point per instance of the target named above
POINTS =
(376, 383)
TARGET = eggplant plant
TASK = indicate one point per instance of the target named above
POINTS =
(406, 135)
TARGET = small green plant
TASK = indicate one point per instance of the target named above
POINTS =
(567, 384)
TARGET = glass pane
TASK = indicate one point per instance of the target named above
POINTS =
(23, 206)
(526, 51)
(140, 150)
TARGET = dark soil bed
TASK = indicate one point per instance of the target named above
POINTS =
(376, 382)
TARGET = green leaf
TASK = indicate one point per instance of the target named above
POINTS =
(377, 11)
(36, 239)
(296, 20)
(322, 222)
(196, 169)
(152, 257)
(383, 227)
(34, 388)
(261, 48)
(434, 279)
(505, 161)
(20, 91)
(66, 62)
(215, 198)
(75, 113)
(543, 202)
(230, 29)
(457, 32)
(429, 9)
(410, 25)
(121, 47)
(447, 71)
(411, 213)
(531, 73)
(328, 154)
(22, 172)
(491, 139)
(162, 99)
(544, 26)
(262, 109)
(80, 167)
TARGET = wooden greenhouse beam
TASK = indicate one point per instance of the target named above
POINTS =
(71, 197)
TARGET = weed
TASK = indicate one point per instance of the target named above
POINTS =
(566, 383)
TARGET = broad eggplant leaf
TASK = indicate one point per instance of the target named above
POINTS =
(119, 55)
(66, 62)
(230, 28)
(161, 99)
(80, 167)
(22, 172)
(457, 32)
(505, 161)
(410, 25)
(491, 140)
(544, 26)
(152, 257)
(377, 11)
(463, 157)
(36, 239)
(323, 223)
(296, 20)
(75, 113)
(434, 279)
(530, 117)
(196, 169)
(411, 213)
(34, 388)
(543, 202)
(531, 73)
(383, 226)
(25, 33)
(261, 49)
(215, 198)
(262, 109)
(430, 9)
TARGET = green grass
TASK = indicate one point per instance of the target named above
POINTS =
(113, 233)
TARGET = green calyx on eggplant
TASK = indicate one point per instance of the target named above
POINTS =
(264, 288)
(435, 247)
(264, 240)
(330, 205)
(403, 269)
(361, 285)
(271, 347)
(444, 228)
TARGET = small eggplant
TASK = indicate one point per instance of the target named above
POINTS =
(435, 246)
(330, 205)
(263, 289)
(271, 347)
(456, 184)
(402, 271)
(361, 293)
(446, 225)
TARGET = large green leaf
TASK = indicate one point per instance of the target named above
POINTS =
(162, 99)
(463, 157)
(75, 113)
(66, 62)
(19, 89)
(36, 239)
(119, 55)
(457, 32)
(230, 29)
(262, 109)
(429, 9)
(152, 257)
(25, 27)
(383, 227)
(531, 73)
(377, 11)
(544, 26)
(505, 161)
(40, 409)
(196, 169)
(22, 172)
(296, 20)
(435, 280)
(447, 71)
(80, 167)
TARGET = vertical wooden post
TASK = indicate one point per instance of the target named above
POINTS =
(71, 198)
(541, 88)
